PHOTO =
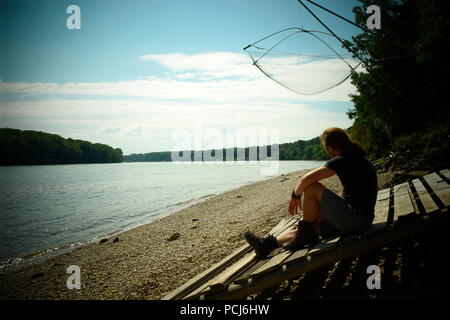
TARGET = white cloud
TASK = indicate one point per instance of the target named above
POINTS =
(143, 126)
(111, 130)
(187, 75)
(214, 91)
(212, 64)
(136, 131)
(210, 77)
(219, 89)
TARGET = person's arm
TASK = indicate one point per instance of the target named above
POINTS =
(304, 182)
(312, 177)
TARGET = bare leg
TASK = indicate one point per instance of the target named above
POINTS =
(311, 211)
(311, 202)
(286, 237)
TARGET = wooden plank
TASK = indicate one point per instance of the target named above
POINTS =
(381, 211)
(417, 204)
(299, 254)
(403, 205)
(382, 206)
(195, 281)
(300, 266)
(281, 227)
(383, 194)
(446, 173)
(273, 263)
(288, 256)
(427, 202)
(440, 188)
(223, 278)
(243, 276)
(218, 282)
(287, 225)
(208, 282)
(197, 292)
(267, 264)
(323, 247)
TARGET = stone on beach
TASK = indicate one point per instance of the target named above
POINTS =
(174, 236)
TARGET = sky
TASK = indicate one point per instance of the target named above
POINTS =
(137, 73)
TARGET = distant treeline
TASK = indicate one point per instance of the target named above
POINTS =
(299, 150)
(19, 147)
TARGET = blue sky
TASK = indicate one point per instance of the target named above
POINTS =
(138, 70)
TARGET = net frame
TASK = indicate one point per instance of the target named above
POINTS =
(297, 30)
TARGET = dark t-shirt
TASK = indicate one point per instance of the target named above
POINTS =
(359, 179)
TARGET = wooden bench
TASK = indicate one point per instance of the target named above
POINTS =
(400, 211)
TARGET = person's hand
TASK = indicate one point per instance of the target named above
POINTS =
(294, 205)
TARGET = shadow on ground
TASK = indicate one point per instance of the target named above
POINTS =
(415, 268)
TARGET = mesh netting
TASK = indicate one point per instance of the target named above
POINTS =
(306, 62)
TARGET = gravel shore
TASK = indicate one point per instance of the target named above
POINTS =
(144, 264)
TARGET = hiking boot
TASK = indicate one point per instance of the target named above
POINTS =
(305, 236)
(262, 246)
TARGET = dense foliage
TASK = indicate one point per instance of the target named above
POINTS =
(303, 150)
(19, 147)
(148, 157)
(401, 104)
(299, 150)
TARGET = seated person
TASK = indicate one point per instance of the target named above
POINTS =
(324, 212)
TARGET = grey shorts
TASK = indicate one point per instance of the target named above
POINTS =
(341, 216)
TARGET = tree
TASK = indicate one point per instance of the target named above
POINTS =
(402, 91)
(19, 147)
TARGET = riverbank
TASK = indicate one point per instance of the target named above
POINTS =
(151, 260)
(143, 264)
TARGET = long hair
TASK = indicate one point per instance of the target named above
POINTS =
(337, 138)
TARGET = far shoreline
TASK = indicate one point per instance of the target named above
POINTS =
(178, 162)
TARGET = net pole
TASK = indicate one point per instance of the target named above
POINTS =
(339, 16)
(331, 31)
